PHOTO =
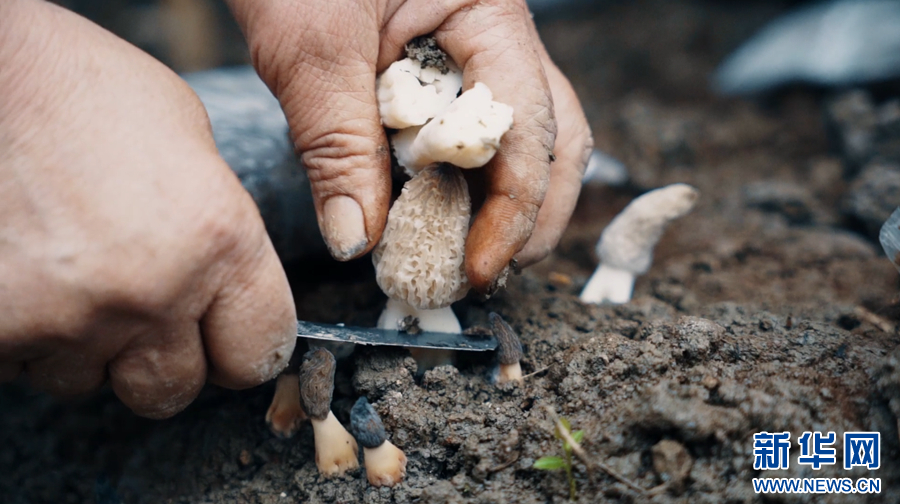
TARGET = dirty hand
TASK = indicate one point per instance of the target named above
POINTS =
(321, 57)
(128, 249)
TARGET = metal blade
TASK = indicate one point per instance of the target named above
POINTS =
(376, 337)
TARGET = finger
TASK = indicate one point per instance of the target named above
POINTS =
(161, 372)
(250, 328)
(572, 150)
(70, 369)
(409, 20)
(325, 81)
(492, 43)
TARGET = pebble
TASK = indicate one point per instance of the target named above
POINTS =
(672, 464)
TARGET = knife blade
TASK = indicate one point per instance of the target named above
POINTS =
(387, 337)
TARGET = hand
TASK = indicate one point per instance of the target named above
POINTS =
(321, 57)
(128, 249)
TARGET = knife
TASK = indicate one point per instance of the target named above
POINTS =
(391, 337)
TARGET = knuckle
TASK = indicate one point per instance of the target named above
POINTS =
(150, 384)
(334, 159)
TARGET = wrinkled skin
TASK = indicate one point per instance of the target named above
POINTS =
(326, 83)
(129, 251)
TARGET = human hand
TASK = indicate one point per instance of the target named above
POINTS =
(128, 249)
(320, 59)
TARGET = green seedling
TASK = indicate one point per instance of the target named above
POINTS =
(554, 463)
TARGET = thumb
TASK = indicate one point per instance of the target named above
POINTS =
(325, 81)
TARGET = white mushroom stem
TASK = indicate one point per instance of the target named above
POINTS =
(285, 415)
(439, 320)
(608, 284)
(336, 450)
(626, 245)
(385, 464)
(466, 134)
(509, 373)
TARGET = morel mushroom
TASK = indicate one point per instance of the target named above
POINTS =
(420, 261)
(626, 245)
(509, 351)
(285, 415)
(336, 450)
(385, 463)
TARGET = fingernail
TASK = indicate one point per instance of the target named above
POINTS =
(344, 227)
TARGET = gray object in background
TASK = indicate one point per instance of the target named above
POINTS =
(603, 169)
(837, 43)
(251, 134)
(890, 238)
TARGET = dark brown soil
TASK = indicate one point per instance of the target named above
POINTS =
(761, 313)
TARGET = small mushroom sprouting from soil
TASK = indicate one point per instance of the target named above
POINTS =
(285, 415)
(385, 463)
(626, 245)
(509, 351)
(336, 450)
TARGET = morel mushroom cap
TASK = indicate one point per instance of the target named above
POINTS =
(366, 425)
(509, 349)
(627, 242)
(421, 257)
(317, 382)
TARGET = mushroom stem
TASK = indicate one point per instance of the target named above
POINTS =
(439, 320)
(285, 415)
(430, 358)
(608, 284)
(336, 450)
(626, 245)
(509, 372)
(385, 463)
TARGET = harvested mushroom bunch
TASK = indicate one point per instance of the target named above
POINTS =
(420, 261)
(626, 245)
